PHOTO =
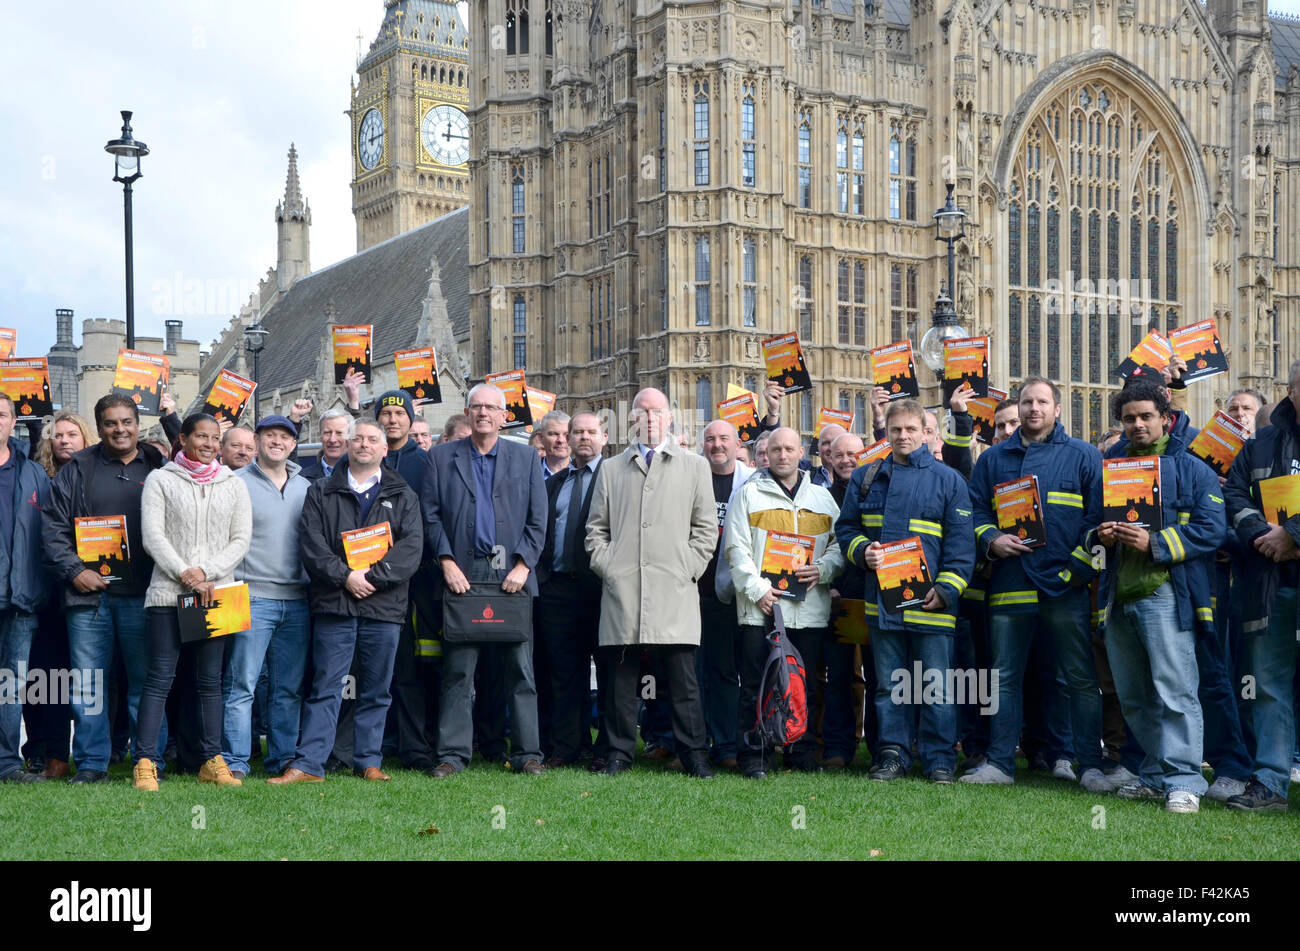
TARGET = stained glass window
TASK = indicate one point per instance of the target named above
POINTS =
(1013, 242)
(1076, 414)
(1035, 336)
(1032, 263)
(1076, 343)
(1094, 348)
(1013, 335)
(1053, 244)
(1171, 260)
(1053, 341)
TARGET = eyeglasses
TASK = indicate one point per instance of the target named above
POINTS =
(485, 408)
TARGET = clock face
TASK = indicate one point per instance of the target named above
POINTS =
(445, 133)
(370, 141)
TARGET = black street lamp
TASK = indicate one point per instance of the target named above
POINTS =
(254, 342)
(127, 153)
(950, 227)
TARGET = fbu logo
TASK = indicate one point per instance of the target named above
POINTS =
(488, 613)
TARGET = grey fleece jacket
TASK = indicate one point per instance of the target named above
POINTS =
(272, 566)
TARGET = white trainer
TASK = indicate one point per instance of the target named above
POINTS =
(986, 775)
(1180, 800)
(1095, 781)
(1062, 769)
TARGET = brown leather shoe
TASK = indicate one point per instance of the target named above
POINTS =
(675, 765)
(833, 763)
(294, 775)
(55, 769)
(555, 762)
(374, 773)
(729, 762)
(532, 767)
(443, 771)
(657, 752)
(597, 765)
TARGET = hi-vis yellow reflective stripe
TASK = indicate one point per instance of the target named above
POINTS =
(986, 527)
(1214, 498)
(872, 521)
(1184, 518)
(1013, 597)
(1099, 616)
(872, 609)
(1073, 499)
(958, 441)
(1205, 614)
(921, 526)
(929, 619)
(954, 579)
(854, 545)
(427, 647)
(1176, 550)
(973, 594)
(1065, 575)
(1082, 555)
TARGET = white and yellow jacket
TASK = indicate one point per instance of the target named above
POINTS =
(762, 505)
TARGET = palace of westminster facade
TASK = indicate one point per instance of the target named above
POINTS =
(656, 185)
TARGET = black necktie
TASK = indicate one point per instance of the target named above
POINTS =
(574, 522)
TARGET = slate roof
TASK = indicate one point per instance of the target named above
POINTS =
(1286, 44)
(448, 40)
(384, 285)
(897, 12)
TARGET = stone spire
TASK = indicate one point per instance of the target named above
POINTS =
(293, 227)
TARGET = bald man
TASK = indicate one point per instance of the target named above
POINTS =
(822, 475)
(652, 530)
(715, 665)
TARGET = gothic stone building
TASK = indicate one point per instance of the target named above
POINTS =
(658, 185)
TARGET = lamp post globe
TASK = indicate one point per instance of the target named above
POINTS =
(127, 153)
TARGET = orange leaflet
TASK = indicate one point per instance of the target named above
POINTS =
(511, 383)
(363, 547)
(1219, 442)
(1280, 498)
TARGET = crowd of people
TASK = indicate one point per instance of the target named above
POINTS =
(627, 593)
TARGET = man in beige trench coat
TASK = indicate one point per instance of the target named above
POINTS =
(652, 530)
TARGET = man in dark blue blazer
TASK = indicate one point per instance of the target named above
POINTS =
(485, 521)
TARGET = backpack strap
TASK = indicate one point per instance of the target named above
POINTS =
(869, 477)
(777, 633)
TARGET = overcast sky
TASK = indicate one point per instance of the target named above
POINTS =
(219, 89)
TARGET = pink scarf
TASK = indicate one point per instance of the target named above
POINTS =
(198, 472)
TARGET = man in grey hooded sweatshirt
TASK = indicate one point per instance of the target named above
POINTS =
(277, 588)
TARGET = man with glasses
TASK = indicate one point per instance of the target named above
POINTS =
(485, 521)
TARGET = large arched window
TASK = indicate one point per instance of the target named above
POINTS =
(1093, 244)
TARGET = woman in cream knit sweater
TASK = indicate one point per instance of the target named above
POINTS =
(196, 521)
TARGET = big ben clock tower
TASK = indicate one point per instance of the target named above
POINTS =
(410, 134)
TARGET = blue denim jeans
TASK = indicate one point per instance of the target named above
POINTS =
(1156, 678)
(335, 640)
(16, 631)
(896, 655)
(1225, 747)
(286, 665)
(91, 634)
(1062, 626)
(1270, 658)
(245, 654)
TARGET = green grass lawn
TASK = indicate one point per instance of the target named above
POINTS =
(649, 813)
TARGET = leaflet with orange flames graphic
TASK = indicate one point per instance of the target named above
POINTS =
(540, 402)
(8, 341)
(904, 574)
(839, 417)
(1130, 488)
(26, 381)
(103, 548)
(877, 450)
(982, 410)
(849, 621)
(229, 395)
(511, 383)
(142, 377)
(1280, 498)
(352, 343)
(363, 547)
(785, 362)
(417, 373)
(1219, 442)
(742, 412)
(894, 368)
(229, 613)
(783, 554)
(1198, 346)
(965, 360)
(1153, 351)
(1019, 510)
